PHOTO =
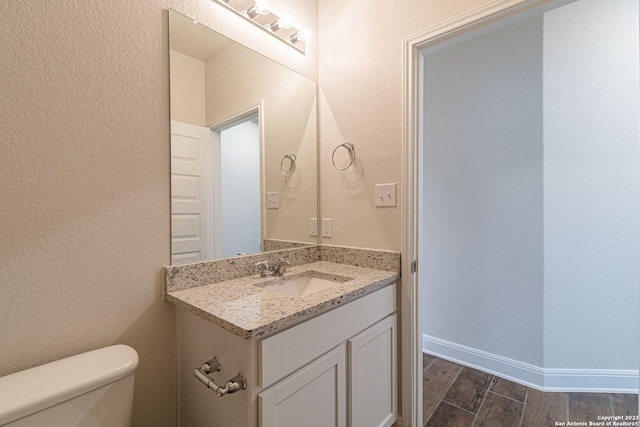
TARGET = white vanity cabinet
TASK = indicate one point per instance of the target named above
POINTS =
(337, 369)
(358, 375)
(372, 375)
(315, 395)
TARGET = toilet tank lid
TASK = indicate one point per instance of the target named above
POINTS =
(38, 388)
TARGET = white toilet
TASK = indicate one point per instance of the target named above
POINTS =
(89, 389)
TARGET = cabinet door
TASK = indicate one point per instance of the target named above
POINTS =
(372, 375)
(314, 396)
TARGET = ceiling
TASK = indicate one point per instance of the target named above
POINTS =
(195, 40)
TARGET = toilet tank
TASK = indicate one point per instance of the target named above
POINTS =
(89, 389)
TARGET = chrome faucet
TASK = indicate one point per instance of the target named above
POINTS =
(278, 270)
(281, 267)
(263, 268)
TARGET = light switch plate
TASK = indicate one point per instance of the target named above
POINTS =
(313, 227)
(385, 195)
(273, 201)
(326, 227)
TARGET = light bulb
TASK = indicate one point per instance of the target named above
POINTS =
(284, 22)
(301, 36)
(260, 7)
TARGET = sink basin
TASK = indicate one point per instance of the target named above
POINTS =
(304, 285)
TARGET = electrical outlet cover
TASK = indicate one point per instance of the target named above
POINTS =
(313, 227)
(326, 227)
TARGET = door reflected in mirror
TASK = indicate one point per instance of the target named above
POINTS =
(237, 121)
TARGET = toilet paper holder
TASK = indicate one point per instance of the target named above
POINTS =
(239, 382)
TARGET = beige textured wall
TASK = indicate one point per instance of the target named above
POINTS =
(361, 102)
(84, 167)
(187, 89)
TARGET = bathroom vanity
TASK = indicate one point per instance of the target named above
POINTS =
(324, 358)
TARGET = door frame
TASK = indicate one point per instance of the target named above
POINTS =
(483, 19)
(218, 126)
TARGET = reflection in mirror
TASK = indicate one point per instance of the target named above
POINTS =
(237, 121)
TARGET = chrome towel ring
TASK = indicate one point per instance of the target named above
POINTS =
(352, 155)
(292, 167)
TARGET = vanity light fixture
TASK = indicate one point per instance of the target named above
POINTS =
(281, 26)
(260, 7)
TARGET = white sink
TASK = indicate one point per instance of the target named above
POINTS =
(304, 285)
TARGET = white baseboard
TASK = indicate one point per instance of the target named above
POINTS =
(558, 380)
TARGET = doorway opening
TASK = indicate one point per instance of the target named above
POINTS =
(238, 177)
(536, 235)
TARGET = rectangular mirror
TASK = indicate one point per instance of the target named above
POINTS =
(244, 173)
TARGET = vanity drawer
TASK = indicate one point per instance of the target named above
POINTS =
(283, 353)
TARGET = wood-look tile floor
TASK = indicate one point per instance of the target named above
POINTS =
(459, 396)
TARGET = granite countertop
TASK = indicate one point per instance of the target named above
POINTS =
(251, 311)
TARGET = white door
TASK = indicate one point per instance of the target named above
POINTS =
(372, 375)
(191, 193)
(315, 396)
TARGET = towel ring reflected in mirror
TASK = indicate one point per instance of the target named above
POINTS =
(292, 167)
(352, 155)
